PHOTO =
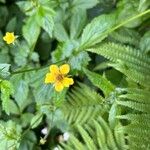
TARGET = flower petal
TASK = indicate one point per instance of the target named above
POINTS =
(9, 37)
(67, 82)
(64, 69)
(54, 69)
(50, 78)
(59, 86)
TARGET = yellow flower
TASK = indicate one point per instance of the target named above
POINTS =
(9, 37)
(58, 76)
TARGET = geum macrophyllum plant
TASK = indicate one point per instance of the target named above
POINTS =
(58, 76)
(9, 37)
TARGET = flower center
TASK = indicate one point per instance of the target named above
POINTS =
(59, 77)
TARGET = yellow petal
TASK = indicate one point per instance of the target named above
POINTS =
(64, 69)
(9, 38)
(67, 82)
(59, 86)
(54, 69)
(50, 78)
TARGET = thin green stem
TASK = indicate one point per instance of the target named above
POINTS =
(34, 69)
(131, 19)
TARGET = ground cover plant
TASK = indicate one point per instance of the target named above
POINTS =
(74, 75)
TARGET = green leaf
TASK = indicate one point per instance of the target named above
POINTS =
(4, 70)
(13, 108)
(20, 53)
(145, 42)
(78, 21)
(2, 1)
(60, 33)
(6, 90)
(21, 91)
(44, 18)
(101, 82)
(28, 142)
(11, 25)
(129, 9)
(82, 4)
(31, 31)
(27, 7)
(79, 61)
(97, 30)
(36, 120)
(143, 5)
(26, 119)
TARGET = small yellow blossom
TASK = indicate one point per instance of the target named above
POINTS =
(9, 37)
(58, 76)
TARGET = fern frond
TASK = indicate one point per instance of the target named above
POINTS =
(135, 106)
(99, 137)
(128, 60)
(81, 104)
(101, 82)
(143, 119)
(126, 36)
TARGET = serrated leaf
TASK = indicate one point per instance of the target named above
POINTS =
(21, 94)
(97, 30)
(82, 4)
(60, 33)
(79, 61)
(31, 31)
(4, 70)
(6, 90)
(78, 21)
(13, 108)
(27, 7)
(44, 18)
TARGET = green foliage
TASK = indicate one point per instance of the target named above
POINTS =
(128, 60)
(106, 44)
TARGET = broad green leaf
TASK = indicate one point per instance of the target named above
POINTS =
(13, 108)
(26, 119)
(31, 31)
(28, 142)
(20, 53)
(82, 4)
(44, 18)
(97, 30)
(129, 9)
(11, 25)
(60, 33)
(79, 61)
(78, 21)
(4, 70)
(36, 120)
(27, 7)
(21, 92)
(6, 91)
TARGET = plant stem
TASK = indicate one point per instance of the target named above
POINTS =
(34, 69)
